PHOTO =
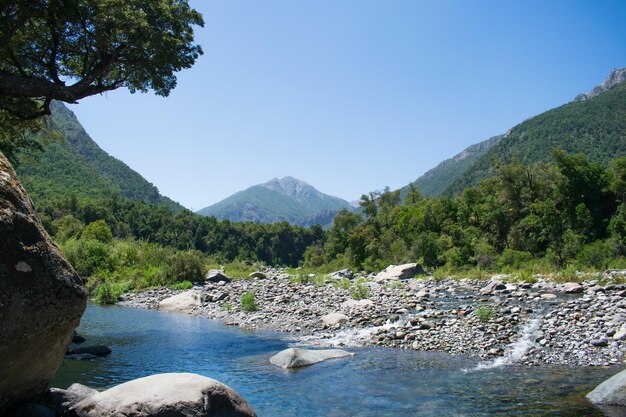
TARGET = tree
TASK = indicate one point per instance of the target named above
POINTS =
(69, 49)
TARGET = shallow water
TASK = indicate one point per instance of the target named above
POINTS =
(375, 382)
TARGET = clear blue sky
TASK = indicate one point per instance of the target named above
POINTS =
(353, 95)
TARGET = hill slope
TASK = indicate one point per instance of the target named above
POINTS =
(594, 125)
(286, 199)
(435, 181)
(80, 167)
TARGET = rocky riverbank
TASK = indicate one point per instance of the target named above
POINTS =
(500, 322)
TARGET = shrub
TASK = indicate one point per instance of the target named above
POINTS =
(110, 292)
(88, 256)
(99, 231)
(182, 285)
(514, 259)
(185, 265)
(485, 313)
(359, 291)
(248, 302)
(343, 283)
(596, 255)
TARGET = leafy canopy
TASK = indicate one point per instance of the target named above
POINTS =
(67, 50)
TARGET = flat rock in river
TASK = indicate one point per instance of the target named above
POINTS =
(295, 358)
(396, 272)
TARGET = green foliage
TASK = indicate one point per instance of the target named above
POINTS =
(228, 307)
(182, 285)
(248, 302)
(110, 292)
(68, 51)
(185, 266)
(99, 231)
(343, 283)
(484, 313)
(359, 291)
(595, 127)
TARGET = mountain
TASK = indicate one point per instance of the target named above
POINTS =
(594, 125)
(78, 166)
(435, 181)
(286, 199)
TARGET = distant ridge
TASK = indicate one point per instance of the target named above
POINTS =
(285, 199)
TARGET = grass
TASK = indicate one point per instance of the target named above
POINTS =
(484, 313)
(182, 285)
(358, 291)
(228, 307)
(110, 292)
(248, 302)
(236, 270)
(343, 283)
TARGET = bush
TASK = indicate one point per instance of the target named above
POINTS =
(359, 291)
(248, 302)
(188, 265)
(595, 255)
(110, 292)
(88, 256)
(99, 231)
(513, 259)
(183, 285)
(485, 313)
(343, 283)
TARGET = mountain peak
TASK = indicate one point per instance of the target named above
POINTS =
(288, 186)
(617, 76)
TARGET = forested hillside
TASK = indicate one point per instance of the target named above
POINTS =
(595, 126)
(76, 165)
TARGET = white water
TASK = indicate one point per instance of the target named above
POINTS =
(515, 351)
(346, 338)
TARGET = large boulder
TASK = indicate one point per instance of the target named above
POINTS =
(215, 275)
(61, 400)
(610, 392)
(183, 302)
(41, 297)
(397, 272)
(166, 395)
(296, 358)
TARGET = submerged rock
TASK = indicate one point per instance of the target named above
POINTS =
(610, 392)
(166, 395)
(182, 302)
(41, 297)
(295, 358)
(96, 350)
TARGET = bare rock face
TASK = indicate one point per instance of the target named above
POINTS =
(397, 272)
(183, 302)
(41, 297)
(166, 395)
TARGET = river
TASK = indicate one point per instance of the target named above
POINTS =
(375, 382)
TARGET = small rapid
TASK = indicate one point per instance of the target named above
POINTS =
(516, 350)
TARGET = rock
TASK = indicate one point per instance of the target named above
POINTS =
(61, 400)
(80, 357)
(258, 275)
(343, 273)
(350, 304)
(572, 288)
(295, 358)
(166, 395)
(215, 275)
(183, 302)
(494, 285)
(397, 272)
(96, 350)
(333, 319)
(548, 296)
(41, 297)
(610, 392)
(77, 339)
(620, 334)
(31, 410)
(599, 342)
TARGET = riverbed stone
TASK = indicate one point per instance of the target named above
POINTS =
(96, 350)
(333, 319)
(41, 297)
(296, 358)
(166, 395)
(610, 392)
(215, 275)
(572, 288)
(398, 272)
(258, 275)
(61, 400)
(182, 302)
